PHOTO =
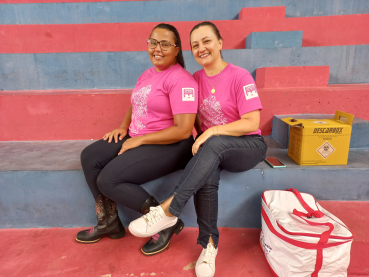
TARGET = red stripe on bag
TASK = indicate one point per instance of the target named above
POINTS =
(310, 211)
(305, 245)
(325, 235)
(323, 239)
(319, 263)
(308, 235)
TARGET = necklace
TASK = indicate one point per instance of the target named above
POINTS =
(213, 87)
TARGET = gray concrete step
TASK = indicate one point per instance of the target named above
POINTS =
(42, 185)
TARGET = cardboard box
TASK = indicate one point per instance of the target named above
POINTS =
(320, 141)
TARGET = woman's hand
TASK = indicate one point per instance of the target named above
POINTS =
(119, 133)
(130, 143)
(202, 139)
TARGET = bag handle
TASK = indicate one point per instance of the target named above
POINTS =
(310, 211)
(325, 235)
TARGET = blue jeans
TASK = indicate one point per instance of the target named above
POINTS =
(201, 177)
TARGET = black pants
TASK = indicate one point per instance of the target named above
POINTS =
(119, 177)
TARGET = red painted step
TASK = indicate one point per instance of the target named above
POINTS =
(278, 101)
(54, 252)
(104, 37)
(262, 12)
(292, 76)
(61, 115)
(77, 115)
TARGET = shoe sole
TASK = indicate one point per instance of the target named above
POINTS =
(140, 235)
(157, 252)
(115, 236)
(84, 241)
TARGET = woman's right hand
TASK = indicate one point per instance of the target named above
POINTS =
(119, 133)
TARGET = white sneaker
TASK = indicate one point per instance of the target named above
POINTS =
(151, 223)
(205, 265)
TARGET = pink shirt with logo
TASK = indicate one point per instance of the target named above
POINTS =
(158, 96)
(235, 94)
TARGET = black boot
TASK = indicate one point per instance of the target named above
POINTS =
(150, 202)
(160, 241)
(108, 223)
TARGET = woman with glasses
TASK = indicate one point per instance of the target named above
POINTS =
(153, 140)
(228, 123)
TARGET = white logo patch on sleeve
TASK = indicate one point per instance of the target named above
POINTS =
(188, 94)
(250, 91)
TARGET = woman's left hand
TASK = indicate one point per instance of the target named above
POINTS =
(201, 140)
(129, 144)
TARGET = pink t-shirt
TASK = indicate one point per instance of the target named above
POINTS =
(235, 94)
(158, 96)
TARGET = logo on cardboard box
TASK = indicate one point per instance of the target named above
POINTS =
(328, 130)
(325, 150)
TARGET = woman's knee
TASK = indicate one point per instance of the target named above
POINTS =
(94, 155)
(104, 182)
(214, 144)
(87, 156)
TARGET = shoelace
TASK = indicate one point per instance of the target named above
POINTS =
(153, 216)
(209, 254)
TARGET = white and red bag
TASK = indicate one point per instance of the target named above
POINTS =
(300, 238)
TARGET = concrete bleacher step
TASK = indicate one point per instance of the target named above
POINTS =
(88, 114)
(240, 254)
(45, 186)
(112, 70)
(78, 114)
(274, 39)
(262, 12)
(141, 11)
(107, 37)
(292, 77)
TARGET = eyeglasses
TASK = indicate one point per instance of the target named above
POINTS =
(164, 44)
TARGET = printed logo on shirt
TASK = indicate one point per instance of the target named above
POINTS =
(250, 91)
(188, 94)
(211, 112)
(139, 108)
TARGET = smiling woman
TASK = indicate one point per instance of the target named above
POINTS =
(157, 127)
(165, 47)
(206, 45)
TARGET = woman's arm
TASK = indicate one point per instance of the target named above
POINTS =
(248, 123)
(183, 125)
(121, 132)
(198, 124)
